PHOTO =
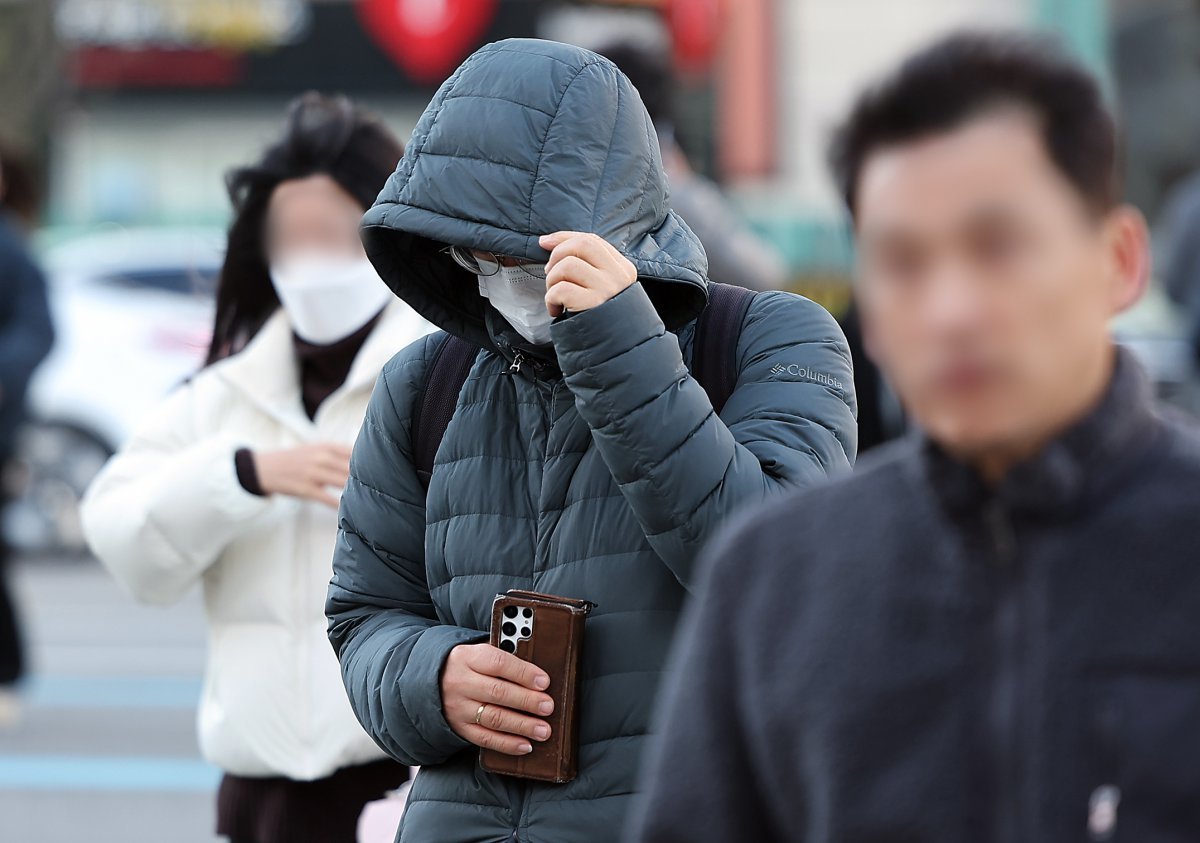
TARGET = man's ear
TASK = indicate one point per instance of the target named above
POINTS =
(1128, 244)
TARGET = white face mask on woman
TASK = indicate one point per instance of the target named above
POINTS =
(521, 299)
(326, 296)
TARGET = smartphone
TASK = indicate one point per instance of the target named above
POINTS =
(547, 631)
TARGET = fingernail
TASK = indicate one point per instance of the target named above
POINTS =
(546, 707)
(542, 683)
(541, 732)
(525, 748)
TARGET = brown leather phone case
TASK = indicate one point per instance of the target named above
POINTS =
(547, 631)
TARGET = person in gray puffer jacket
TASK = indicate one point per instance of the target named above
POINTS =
(582, 459)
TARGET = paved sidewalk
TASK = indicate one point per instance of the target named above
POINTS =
(106, 749)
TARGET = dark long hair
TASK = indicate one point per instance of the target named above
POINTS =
(328, 135)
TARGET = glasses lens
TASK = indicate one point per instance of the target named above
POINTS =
(487, 262)
(477, 263)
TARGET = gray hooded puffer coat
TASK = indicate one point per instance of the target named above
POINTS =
(597, 470)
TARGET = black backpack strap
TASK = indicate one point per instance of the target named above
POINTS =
(714, 345)
(435, 406)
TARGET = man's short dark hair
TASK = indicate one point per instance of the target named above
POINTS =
(959, 78)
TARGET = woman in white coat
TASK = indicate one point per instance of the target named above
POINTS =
(233, 481)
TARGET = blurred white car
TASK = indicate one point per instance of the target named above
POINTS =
(133, 313)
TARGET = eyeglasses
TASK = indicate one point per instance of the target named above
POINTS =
(489, 263)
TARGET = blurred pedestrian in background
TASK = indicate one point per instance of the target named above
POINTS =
(1181, 252)
(26, 335)
(736, 255)
(530, 220)
(991, 631)
(234, 481)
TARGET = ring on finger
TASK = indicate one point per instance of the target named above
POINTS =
(479, 713)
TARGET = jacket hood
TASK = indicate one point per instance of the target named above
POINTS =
(527, 138)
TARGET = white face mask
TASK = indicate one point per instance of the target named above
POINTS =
(521, 300)
(328, 297)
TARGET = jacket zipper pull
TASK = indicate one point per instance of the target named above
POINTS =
(1102, 812)
(517, 362)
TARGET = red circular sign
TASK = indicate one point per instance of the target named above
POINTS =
(427, 38)
(696, 27)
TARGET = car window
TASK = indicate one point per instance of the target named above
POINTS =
(185, 280)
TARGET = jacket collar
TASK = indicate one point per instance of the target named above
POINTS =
(267, 373)
(1069, 470)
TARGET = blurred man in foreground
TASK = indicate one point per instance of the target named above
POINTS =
(991, 631)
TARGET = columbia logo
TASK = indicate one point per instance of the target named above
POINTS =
(804, 373)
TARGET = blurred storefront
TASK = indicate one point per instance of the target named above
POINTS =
(164, 96)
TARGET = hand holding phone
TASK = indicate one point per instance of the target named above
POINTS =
(545, 632)
(495, 700)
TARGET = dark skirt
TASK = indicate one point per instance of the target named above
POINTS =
(279, 810)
